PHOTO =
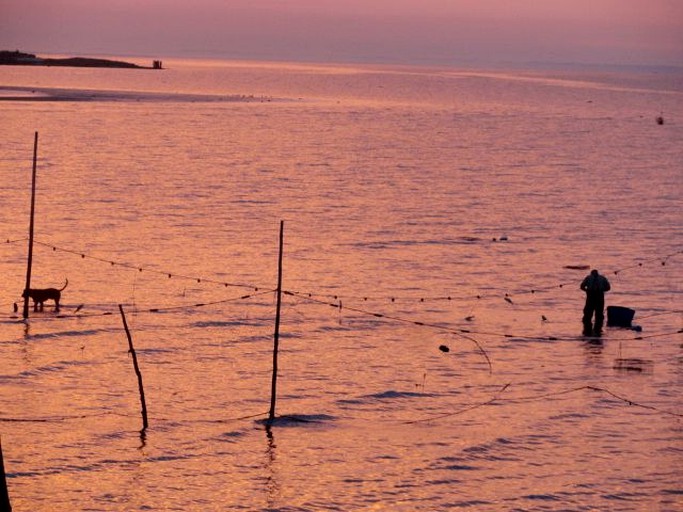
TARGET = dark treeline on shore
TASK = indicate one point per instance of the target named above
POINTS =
(17, 58)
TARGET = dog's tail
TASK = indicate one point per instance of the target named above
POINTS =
(65, 285)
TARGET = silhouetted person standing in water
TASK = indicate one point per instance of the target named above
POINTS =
(595, 287)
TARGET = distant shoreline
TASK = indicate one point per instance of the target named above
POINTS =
(17, 58)
(25, 93)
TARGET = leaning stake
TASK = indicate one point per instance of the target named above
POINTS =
(131, 349)
(5, 505)
(276, 336)
(30, 226)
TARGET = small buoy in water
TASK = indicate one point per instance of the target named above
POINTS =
(577, 267)
(444, 348)
(503, 238)
(660, 120)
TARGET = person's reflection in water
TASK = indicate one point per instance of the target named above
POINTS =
(593, 349)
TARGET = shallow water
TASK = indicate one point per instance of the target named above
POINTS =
(421, 207)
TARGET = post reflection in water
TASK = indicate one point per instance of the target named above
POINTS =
(143, 439)
(272, 484)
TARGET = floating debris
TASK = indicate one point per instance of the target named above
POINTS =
(633, 364)
(444, 348)
(619, 316)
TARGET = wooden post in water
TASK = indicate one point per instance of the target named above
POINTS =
(276, 336)
(131, 349)
(5, 505)
(30, 227)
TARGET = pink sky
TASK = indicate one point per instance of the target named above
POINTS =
(397, 31)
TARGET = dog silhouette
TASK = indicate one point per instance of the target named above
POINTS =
(40, 295)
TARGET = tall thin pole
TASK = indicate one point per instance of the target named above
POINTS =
(30, 228)
(131, 349)
(5, 505)
(276, 336)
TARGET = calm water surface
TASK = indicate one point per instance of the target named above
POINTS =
(422, 208)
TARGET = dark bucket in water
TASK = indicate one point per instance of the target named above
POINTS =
(618, 316)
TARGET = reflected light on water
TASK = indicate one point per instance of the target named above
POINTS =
(423, 209)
